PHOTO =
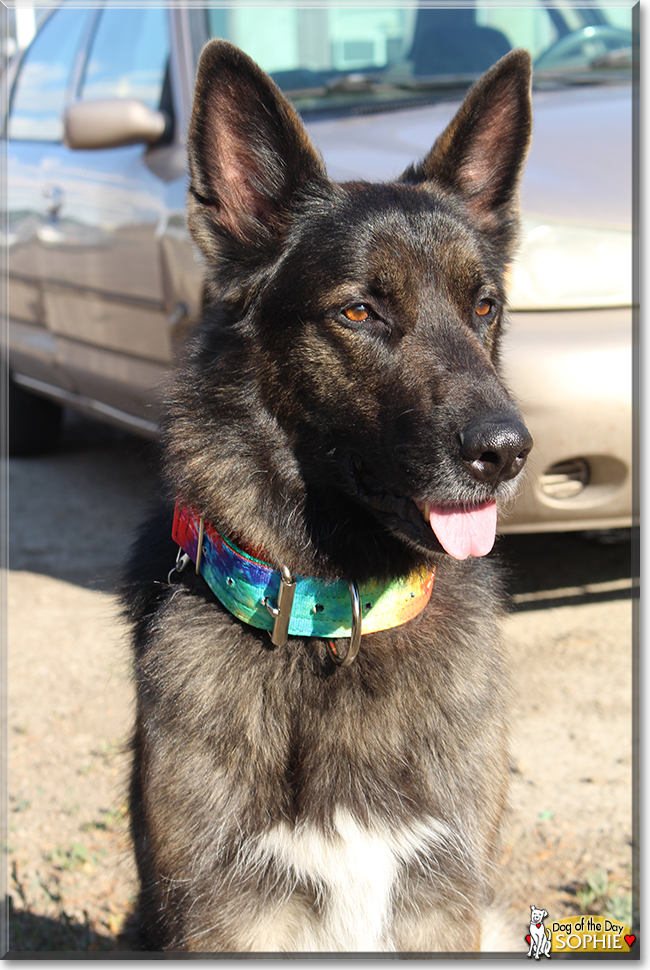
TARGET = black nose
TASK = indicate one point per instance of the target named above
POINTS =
(495, 449)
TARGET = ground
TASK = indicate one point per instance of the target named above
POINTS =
(567, 844)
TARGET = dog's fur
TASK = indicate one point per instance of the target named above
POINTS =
(281, 803)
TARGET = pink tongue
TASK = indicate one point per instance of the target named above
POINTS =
(465, 532)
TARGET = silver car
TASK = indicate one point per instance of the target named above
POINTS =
(104, 285)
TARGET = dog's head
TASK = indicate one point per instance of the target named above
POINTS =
(368, 315)
(537, 915)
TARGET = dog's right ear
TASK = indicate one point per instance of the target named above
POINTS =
(481, 153)
(249, 155)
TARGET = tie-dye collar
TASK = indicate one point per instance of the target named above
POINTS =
(248, 587)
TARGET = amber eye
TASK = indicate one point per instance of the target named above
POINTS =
(357, 313)
(483, 307)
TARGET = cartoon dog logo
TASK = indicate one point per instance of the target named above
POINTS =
(539, 937)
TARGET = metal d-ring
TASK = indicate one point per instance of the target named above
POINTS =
(355, 636)
(182, 560)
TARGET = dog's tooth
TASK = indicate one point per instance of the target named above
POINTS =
(426, 512)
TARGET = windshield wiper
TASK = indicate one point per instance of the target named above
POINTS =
(618, 58)
(356, 81)
(433, 82)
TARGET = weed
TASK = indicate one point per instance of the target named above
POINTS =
(112, 818)
(619, 909)
(18, 883)
(108, 750)
(597, 897)
(70, 859)
(595, 889)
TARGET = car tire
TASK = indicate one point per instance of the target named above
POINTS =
(34, 422)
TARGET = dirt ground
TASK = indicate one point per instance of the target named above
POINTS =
(567, 845)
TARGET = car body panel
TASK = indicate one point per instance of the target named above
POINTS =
(91, 262)
(576, 400)
(569, 170)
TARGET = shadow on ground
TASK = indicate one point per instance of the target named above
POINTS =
(73, 513)
(29, 933)
(569, 568)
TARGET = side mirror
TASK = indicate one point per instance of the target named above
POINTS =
(112, 122)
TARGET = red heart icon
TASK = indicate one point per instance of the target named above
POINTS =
(527, 937)
(538, 925)
(630, 939)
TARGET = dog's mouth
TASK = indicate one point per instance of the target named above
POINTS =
(459, 529)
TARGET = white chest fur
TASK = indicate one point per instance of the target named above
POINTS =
(355, 869)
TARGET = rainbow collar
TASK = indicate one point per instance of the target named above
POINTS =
(248, 587)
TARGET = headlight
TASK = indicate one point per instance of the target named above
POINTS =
(560, 266)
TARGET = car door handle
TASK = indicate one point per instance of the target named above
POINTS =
(54, 197)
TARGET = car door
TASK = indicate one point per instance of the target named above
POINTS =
(102, 292)
(34, 134)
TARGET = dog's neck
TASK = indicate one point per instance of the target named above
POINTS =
(252, 589)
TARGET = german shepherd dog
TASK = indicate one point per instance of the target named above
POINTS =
(339, 425)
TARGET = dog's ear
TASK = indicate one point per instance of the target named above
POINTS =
(249, 154)
(480, 155)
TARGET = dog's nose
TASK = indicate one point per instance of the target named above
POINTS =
(495, 449)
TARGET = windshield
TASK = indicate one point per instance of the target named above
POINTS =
(331, 57)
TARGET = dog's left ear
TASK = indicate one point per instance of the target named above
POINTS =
(481, 153)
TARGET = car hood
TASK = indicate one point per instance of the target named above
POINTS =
(580, 163)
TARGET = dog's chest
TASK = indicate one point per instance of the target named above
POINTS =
(355, 871)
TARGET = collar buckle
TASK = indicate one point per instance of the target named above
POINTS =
(282, 617)
(282, 612)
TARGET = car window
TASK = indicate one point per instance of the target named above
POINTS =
(590, 32)
(348, 58)
(528, 26)
(286, 39)
(128, 55)
(41, 88)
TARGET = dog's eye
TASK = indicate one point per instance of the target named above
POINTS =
(358, 314)
(483, 307)
(362, 319)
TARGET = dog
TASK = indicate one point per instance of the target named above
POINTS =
(540, 938)
(320, 753)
